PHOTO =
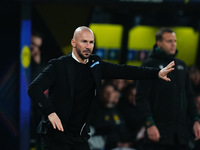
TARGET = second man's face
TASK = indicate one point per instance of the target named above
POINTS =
(85, 44)
(168, 43)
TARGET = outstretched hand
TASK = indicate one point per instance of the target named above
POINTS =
(55, 121)
(153, 133)
(196, 128)
(163, 72)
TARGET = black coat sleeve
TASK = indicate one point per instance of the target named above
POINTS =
(118, 71)
(41, 83)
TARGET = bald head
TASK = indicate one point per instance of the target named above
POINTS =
(77, 32)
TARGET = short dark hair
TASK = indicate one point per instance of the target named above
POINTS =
(160, 33)
(38, 34)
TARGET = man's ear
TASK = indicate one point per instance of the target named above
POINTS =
(158, 43)
(73, 43)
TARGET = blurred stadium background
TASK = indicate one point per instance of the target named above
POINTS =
(124, 31)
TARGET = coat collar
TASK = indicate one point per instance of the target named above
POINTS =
(74, 57)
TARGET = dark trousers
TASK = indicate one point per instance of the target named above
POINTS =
(60, 141)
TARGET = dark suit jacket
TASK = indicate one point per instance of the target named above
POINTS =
(59, 77)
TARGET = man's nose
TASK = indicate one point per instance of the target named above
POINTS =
(88, 45)
(174, 43)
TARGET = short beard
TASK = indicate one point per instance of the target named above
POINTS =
(81, 55)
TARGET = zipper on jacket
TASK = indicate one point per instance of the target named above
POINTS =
(82, 128)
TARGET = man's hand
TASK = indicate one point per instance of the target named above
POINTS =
(153, 133)
(55, 121)
(196, 129)
(163, 72)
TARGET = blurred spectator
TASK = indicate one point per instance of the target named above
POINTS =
(119, 84)
(129, 110)
(37, 65)
(168, 107)
(194, 74)
(197, 100)
(108, 122)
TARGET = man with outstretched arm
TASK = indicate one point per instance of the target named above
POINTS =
(74, 82)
